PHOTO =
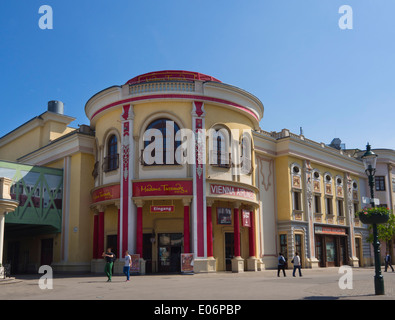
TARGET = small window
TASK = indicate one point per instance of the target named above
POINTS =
(317, 204)
(219, 148)
(328, 178)
(297, 200)
(283, 245)
(329, 210)
(380, 183)
(356, 207)
(340, 208)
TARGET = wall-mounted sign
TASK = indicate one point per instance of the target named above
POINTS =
(162, 209)
(163, 188)
(246, 218)
(232, 191)
(106, 193)
(330, 230)
(224, 216)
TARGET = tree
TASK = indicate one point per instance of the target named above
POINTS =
(385, 232)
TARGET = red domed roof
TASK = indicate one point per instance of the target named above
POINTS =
(171, 75)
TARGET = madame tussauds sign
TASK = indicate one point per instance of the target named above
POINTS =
(163, 188)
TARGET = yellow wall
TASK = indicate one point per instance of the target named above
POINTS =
(284, 187)
(81, 180)
(283, 183)
(33, 140)
(110, 120)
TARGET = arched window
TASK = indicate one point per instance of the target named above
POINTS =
(246, 166)
(219, 148)
(160, 144)
(112, 160)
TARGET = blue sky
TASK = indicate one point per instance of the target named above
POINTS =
(291, 54)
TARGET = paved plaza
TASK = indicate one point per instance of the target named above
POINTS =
(317, 284)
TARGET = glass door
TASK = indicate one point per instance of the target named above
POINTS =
(229, 250)
(330, 251)
(318, 250)
(169, 252)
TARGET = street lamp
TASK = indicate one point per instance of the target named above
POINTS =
(369, 160)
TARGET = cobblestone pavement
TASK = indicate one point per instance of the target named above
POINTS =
(317, 284)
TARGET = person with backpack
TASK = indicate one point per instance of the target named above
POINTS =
(281, 264)
(110, 258)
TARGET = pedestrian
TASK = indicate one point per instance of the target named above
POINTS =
(110, 258)
(387, 261)
(128, 264)
(281, 264)
(297, 264)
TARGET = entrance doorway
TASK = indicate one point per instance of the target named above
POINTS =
(330, 251)
(147, 252)
(169, 252)
(358, 250)
(229, 250)
(46, 251)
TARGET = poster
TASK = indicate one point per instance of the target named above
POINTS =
(135, 268)
(246, 221)
(224, 215)
(187, 262)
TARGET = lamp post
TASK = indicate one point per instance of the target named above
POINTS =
(369, 160)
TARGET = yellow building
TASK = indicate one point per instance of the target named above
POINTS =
(310, 193)
(172, 166)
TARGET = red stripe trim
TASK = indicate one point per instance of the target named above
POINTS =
(174, 96)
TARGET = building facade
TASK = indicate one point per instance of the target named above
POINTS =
(174, 165)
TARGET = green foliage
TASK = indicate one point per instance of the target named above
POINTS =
(378, 211)
(385, 231)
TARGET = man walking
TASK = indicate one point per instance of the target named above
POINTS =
(297, 264)
(387, 261)
(110, 258)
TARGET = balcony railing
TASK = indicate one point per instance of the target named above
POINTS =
(111, 163)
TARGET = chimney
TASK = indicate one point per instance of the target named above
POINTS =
(56, 106)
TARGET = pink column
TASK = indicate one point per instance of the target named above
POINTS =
(119, 253)
(209, 232)
(95, 236)
(251, 235)
(187, 235)
(236, 225)
(139, 231)
(100, 235)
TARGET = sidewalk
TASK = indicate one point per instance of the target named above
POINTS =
(317, 284)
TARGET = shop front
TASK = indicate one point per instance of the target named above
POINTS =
(232, 224)
(163, 222)
(331, 245)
